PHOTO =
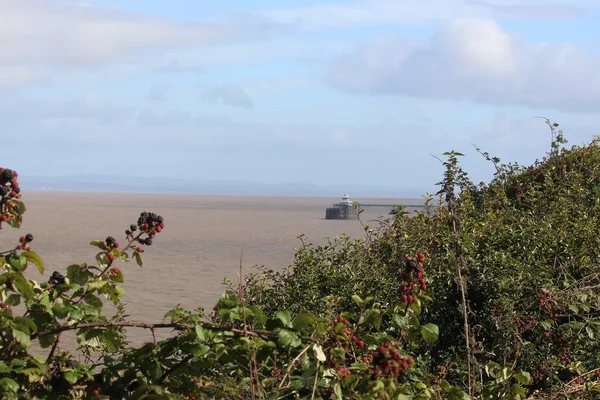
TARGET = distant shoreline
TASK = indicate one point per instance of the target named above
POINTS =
(412, 199)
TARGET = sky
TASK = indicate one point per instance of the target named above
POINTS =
(340, 92)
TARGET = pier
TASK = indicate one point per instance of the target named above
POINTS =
(348, 209)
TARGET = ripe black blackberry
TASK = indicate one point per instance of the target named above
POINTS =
(159, 219)
(56, 278)
(17, 189)
(148, 242)
(110, 240)
(4, 190)
(133, 228)
(412, 264)
(17, 208)
(142, 219)
(29, 237)
(7, 175)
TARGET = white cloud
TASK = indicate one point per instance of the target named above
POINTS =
(474, 60)
(51, 32)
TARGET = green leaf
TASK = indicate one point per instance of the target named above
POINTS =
(77, 274)
(337, 389)
(99, 244)
(303, 320)
(523, 377)
(288, 339)
(102, 260)
(112, 339)
(285, 317)
(93, 301)
(16, 262)
(138, 259)
(35, 259)
(96, 284)
(119, 278)
(23, 287)
(21, 337)
(357, 300)
(518, 390)
(8, 385)
(258, 314)
(26, 323)
(22, 208)
(430, 333)
(46, 340)
(155, 370)
(371, 317)
(13, 299)
(71, 377)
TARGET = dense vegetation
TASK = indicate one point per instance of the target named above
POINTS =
(490, 293)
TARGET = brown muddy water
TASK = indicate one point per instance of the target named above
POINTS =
(201, 243)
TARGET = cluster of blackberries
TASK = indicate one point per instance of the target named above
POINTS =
(56, 278)
(413, 278)
(149, 223)
(9, 195)
(388, 362)
(7, 175)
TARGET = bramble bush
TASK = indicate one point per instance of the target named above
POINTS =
(490, 293)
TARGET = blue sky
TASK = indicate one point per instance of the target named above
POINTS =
(356, 92)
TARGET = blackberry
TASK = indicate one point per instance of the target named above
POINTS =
(7, 174)
(148, 242)
(110, 240)
(4, 190)
(17, 208)
(412, 264)
(142, 219)
(141, 241)
(56, 279)
(70, 364)
(17, 190)
(159, 220)
(133, 228)
(29, 237)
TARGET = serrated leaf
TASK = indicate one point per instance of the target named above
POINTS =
(71, 377)
(96, 284)
(430, 333)
(78, 274)
(35, 259)
(21, 337)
